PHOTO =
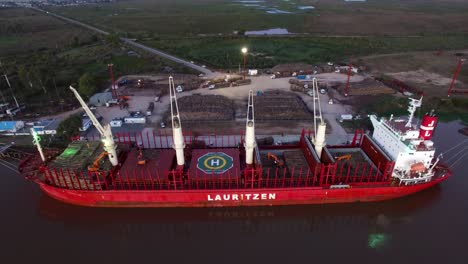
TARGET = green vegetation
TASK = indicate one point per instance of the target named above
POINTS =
(68, 128)
(264, 52)
(447, 109)
(87, 85)
(142, 18)
(43, 56)
(204, 30)
(383, 105)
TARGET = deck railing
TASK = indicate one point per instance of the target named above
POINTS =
(154, 179)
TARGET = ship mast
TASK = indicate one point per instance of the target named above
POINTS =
(249, 143)
(413, 104)
(320, 128)
(177, 135)
(37, 143)
(106, 133)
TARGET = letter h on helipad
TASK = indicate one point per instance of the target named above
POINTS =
(214, 162)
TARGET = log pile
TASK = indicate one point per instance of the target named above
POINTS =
(205, 108)
(368, 86)
(69, 169)
(295, 159)
(280, 106)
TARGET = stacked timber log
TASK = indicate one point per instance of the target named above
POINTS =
(368, 86)
(69, 169)
(205, 108)
(280, 106)
(294, 159)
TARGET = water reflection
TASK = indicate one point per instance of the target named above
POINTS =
(373, 220)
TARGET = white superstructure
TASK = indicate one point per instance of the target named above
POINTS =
(402, 141)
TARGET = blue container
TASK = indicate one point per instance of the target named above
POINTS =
(301, 77)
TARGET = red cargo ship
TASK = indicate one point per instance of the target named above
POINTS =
(184, 170)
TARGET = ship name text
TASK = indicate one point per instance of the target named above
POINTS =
(242, 197)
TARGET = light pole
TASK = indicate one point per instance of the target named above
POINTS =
(244, 55)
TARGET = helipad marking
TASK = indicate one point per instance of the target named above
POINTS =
(215, 163)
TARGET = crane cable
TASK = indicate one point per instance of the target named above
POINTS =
(459, 159)
(456, 154)
(454, 147)
(8, 165)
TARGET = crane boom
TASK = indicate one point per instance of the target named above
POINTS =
(88, 111)
(249, 143)
(106, 133)
(178, 138)
(319, 129)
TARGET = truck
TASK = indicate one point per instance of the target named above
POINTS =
(253, 72)
(112, 102)
(346, 117)
(150, 109)
(116, 122)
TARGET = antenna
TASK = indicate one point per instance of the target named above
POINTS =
(249, 143)
(36, 141)
(177, 135)
(413, 104)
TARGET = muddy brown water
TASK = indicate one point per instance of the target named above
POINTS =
(428, 227)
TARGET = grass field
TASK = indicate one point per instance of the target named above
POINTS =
(202, 30)
(23, 30)
(332, 17)
(265, 52)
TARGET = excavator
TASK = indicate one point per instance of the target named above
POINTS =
(277, 161)
(343, 157)
(95, 166)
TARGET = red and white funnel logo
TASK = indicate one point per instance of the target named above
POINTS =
(428, 124)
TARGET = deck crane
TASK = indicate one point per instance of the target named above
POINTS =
(177, 135)
(249, 143)
(106, 133)
(319, 129)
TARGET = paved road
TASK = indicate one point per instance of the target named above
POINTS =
(159, 53)
(207, 72)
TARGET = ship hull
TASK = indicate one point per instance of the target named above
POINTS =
(229, 198)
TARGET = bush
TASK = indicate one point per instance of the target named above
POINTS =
(69, 127)
(87, 85)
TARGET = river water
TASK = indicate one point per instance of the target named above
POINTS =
(428, 227)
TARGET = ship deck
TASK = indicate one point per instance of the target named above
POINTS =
(211, 166)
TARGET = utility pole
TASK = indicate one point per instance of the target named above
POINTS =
(349, 77)
(9, 85)
(460, 62)
(114, 89)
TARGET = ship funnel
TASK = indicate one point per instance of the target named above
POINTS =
(428, 124)
(177, 135)
(320, 128)
(249, 143)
